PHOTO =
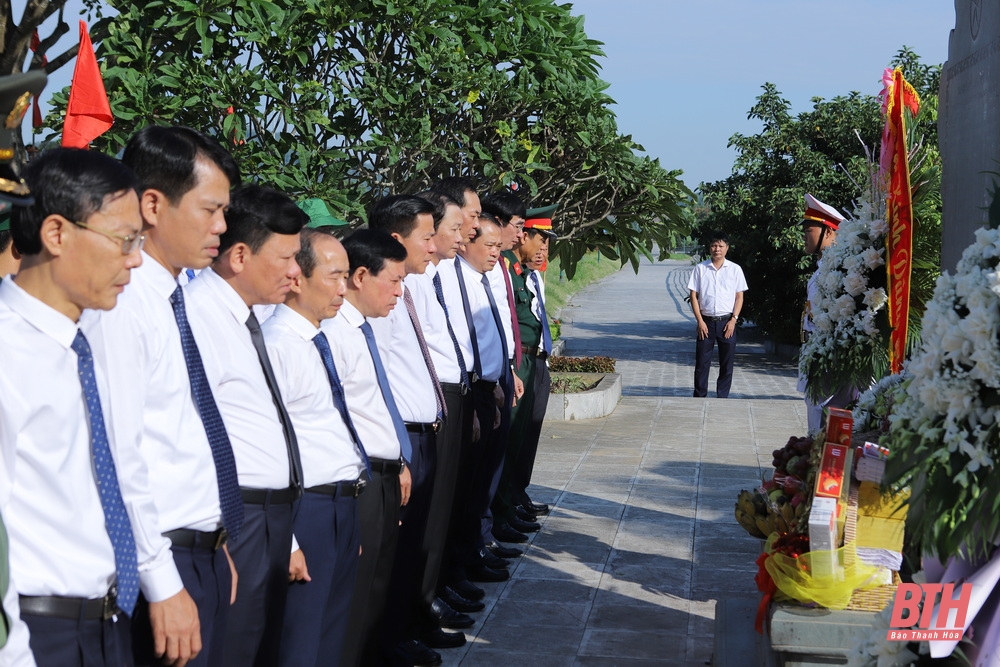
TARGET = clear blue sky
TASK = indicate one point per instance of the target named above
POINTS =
(685, 73)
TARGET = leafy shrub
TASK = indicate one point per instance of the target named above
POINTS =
(581, 365)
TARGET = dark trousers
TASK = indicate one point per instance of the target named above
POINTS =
(473, 483)
(453, 563)
(525, 464)
(503, 499)
(448, 445)
(261, 556)
(208, 580)
(61, 642)
(404, 596)
(378, 514)
(493, 460)
(328, 534)
(703, 360)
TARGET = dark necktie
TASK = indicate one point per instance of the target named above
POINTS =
(496, 318)
(230, 500)
(115, 517)
(294, 463)
(477, 362)
(383, 384)
(323, 345)
(546, 334)
(411, 310)
(514, 325)
(439, 292)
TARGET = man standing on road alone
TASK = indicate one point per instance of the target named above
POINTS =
(717, 287)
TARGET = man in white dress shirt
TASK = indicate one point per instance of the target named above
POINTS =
(256, 265)
(324, 562)
(377, 267)
(83, 526)
(184, 178)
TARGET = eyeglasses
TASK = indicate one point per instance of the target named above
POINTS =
(129, 243)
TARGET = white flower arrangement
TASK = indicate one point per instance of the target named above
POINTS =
(847, 345)
(944, 433)
(872, 649)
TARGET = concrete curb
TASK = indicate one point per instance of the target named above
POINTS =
(591, 404)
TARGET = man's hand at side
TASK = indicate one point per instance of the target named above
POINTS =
(176, 629)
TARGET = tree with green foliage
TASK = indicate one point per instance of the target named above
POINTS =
(347, 101)
(820, 151)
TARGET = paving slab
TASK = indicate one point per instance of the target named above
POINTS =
(641, 544)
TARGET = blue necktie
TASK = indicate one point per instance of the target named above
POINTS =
(546, 334)
(230, 500)
(191, 275)
(496, 318)
(439, 291)
(477, 362)
(323, 345)
(115, 517)
(383, 383)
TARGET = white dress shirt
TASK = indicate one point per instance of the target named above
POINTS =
(456, 311)
(354, 364)
(16, 652)
(487, 333)
(536, 303)
(412, 387)
(150, 387)
(59, 542)
(434, 323)
(218, 316)
(499, 286)
(327, 451)
(717, 288)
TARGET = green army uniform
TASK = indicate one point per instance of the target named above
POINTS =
(531, 336)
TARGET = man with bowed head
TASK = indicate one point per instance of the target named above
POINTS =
(255, 266)
(83, 526)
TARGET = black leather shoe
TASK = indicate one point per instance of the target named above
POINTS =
(487, 558)
(524, 515)
(524, 526)
(438, 638)
(483, 573)
(537, 508)
(458, 602)
(501, 551)
(505, 533)
(447, 617)
(418, 654)
(467, 590)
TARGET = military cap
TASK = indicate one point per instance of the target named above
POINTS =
(16, 92)
(319, 214)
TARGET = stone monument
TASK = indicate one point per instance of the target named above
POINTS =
(969, 124)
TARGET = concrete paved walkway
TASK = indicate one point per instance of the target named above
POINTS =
(641, 541)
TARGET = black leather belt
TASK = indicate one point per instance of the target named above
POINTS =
(342, 489)
(273, 496)
(97, 609)
(535, 351)
(197, 539)
(457, 387)
(386, 467)
(717, 318)
(418, 427)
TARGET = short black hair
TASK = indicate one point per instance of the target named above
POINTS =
(70, 182)
(489, 219)
(505, 206)
(163, 158)
(257, 211)
(4, 239)
(397, 214)
(718, 236)
(306, 256)
(455, 187)
(371, 248)
(440, 201)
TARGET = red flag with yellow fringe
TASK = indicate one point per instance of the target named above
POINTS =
(895, 169)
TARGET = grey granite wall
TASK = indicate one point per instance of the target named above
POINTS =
(969, 123)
